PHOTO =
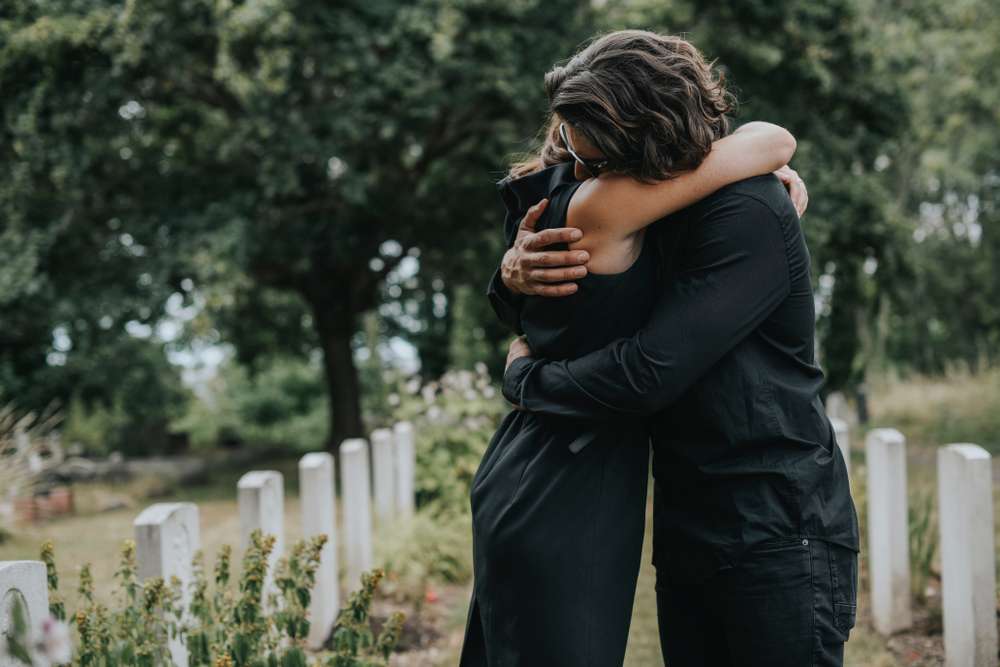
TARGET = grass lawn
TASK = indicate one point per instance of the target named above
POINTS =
(96, 537)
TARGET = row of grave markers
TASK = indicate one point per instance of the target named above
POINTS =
(968, 550)
(167, 535)
(965, 524)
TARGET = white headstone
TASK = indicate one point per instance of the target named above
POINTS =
(261, 496)
(838, 406)
(968, 556)
(888, 530)
(843, 434)
(166, 539)
(384, 474)
(319, 517)
(356, 504)
(24, 581)
(405, 468)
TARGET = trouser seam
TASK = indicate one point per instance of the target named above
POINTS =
(817, 644)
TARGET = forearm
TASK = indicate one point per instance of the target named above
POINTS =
(597, 386)
(737, 276)
(618, 204)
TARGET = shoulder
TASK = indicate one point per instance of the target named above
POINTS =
(753, 215)
(765, 193)
(518, 194)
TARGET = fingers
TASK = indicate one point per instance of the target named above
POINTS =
(801, 201)
(555, 258)
(800, 196)
(786, 175)
(562, 289)
(533, 214)
(548, 237)
(796, 193)
(559, 275)
(796, 188)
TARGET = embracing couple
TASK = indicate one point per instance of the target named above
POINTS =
(659, 277)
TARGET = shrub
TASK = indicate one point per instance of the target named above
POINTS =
(219, 626)
(425, 549)
(354, 642)
(454, 419)
(283, 403)
(923, 536)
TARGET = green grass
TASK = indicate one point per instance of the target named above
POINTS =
(958, 407)
(96, 537)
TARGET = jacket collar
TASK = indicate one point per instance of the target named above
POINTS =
(519, 194)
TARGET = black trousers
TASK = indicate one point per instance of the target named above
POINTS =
(790, 602)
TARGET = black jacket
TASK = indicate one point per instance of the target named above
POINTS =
(725, 368)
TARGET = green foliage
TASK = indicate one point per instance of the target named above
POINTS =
(98, 428)
(944, 308)
(266, 153)
(454, 419)
(16, 637)
(425, 550)
(923, 535)
(220, 626)
(814, 67)
(313, 179)
(355, 643)
(281, 404)
(118, 397)
(57, 607)
(295, 577)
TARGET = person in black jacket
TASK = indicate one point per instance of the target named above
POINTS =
(755, 531)
(558, 503)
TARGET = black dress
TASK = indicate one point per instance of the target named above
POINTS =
(558, 504)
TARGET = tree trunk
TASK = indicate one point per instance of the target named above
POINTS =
(343, 388)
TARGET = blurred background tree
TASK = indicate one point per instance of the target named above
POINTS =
(295, 164)
(310, 185)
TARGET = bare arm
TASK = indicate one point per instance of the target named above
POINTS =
(616, 206)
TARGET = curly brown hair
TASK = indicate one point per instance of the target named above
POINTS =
(650, 103)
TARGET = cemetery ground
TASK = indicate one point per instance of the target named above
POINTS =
(930, 413)
(103, 522)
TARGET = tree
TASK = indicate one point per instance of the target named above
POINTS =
(945, 183)
(72, 276)
(284, 156)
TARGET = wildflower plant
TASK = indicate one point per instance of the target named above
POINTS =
(355, 643)
(222, 625)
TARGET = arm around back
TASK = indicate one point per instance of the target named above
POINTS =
(733, 275)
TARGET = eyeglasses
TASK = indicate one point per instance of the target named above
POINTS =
(594, 166)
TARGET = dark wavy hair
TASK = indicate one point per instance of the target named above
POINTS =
(651, 103)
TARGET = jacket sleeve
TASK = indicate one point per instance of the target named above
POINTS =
(506, 304)
(734, 273)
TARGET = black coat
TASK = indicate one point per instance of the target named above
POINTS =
(725, 367)
(558, 504)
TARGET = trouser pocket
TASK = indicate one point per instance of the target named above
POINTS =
(844, 586)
